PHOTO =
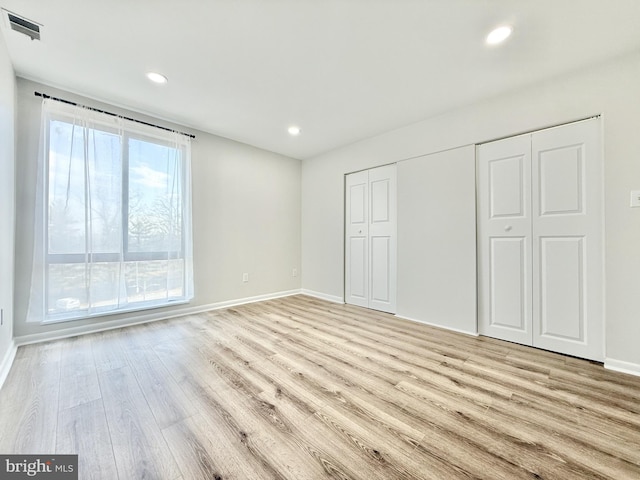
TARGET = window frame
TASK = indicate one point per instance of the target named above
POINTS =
(126, 256)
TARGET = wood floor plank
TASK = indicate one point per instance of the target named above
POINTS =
(83, 430)
(29, 405)
(234, 454)
(78, 389)
(269, 377)
(463, 453)
(178, 359)
(536, 430)
(445, 424)
(163, 395)
(138, 444)
(279, 400)
(266, 437)
(340, 457)
(309, 431)
(297, 387)
(76, 357)
(108, 351)
(204, 451)
(137, 343)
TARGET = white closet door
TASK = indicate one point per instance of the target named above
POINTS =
(540, 246)
(357, 239)
(382, 238)
(504, 239)
(567, 229)
(370, 243)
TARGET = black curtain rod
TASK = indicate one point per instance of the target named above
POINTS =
(44, 95)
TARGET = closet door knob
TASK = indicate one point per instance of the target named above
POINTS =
(507, 228)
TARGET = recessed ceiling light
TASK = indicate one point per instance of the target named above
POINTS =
(294, 130)
(156, 77)
(499, 35)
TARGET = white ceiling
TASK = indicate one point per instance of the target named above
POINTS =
(343, 70)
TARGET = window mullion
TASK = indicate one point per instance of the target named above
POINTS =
(125, 196)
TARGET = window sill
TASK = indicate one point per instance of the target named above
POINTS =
(83, 315)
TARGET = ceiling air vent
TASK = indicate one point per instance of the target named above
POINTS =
(22, 25)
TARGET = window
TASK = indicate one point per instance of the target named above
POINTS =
(116, 229)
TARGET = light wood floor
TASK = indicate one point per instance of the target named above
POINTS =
(298, 388)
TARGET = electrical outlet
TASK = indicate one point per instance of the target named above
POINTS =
(245, 277)
(295, 272)
(635, 198)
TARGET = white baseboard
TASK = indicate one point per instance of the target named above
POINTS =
(144, 318)
(323, 296)
(241, 301)
(431, 324)
(622, 366)
(7, 361)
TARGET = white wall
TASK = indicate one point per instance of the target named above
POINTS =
(246, 216)
(437, 239)
(610, 89)
(7, 163)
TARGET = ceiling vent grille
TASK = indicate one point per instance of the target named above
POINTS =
(24, 26)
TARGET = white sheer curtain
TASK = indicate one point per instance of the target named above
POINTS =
(113, 216)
